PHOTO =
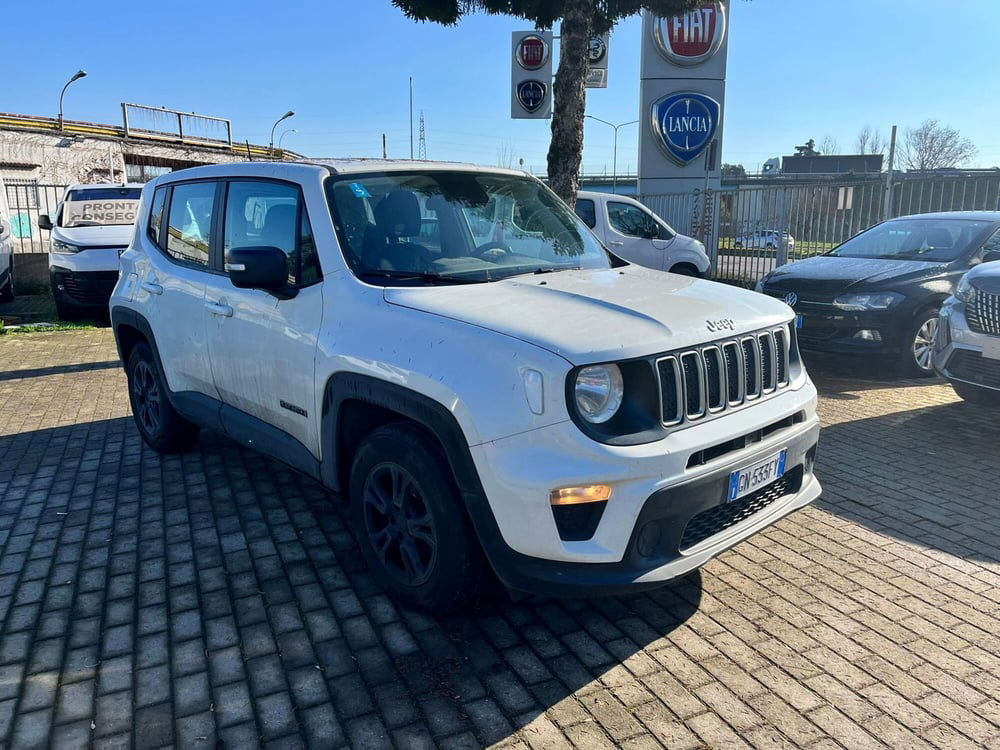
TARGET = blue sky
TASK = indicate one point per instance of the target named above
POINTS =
(797, 69)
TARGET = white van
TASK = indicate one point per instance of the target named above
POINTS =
(6, 248)
(92, 227)
(633, 232)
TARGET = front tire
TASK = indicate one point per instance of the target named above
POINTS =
(160, 425)
(918, 346)
(685, 269)
(410, 521)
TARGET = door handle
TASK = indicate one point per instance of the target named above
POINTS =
(152, 288)
(616, 243)
(216, 309)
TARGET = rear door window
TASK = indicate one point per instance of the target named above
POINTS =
(586, 210)
(189, 227)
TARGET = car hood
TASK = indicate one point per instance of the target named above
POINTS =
(118, 235)
(589, 316)
(829, 275)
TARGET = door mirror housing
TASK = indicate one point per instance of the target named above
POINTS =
(260, 267)
(44, 222)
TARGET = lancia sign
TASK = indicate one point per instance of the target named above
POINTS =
(531, 94)
(684, 124)
(692, 37)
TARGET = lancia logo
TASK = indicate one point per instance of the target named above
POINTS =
(532, 52)
(684, 124)
(791, 299)
(693, 37)
(531, 94)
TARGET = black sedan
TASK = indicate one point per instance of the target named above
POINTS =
(880, 291)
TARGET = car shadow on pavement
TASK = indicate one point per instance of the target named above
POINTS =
(235, 583)
(838, 375)
(925, 476)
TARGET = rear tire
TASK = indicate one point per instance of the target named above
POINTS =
(160, 425)
(976, 395)
(410, 520)
(918, 346)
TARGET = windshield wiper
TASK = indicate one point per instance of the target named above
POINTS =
(431, 276)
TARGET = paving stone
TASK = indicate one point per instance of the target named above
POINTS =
(218, 596)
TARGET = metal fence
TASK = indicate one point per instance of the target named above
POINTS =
(748, 229)
(28, 200)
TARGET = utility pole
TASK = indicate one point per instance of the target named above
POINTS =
(411, 117)
(385, 153)
(422, 140)
(887, 208)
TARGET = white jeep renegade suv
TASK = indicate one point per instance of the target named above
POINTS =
(486, 393)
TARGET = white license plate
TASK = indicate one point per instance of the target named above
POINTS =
(991, 348)
(762, 473)
(798, 321)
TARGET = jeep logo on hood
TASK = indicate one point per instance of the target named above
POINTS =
(722, 324)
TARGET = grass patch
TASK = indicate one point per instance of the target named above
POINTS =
(62, 325)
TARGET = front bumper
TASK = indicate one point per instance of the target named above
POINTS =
(640, 538)
(958, 352)
(829, 329)
(83, 289)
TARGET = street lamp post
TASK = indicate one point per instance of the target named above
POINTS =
(285, 116)
(76, 77)
(614, 157)
(282, 136)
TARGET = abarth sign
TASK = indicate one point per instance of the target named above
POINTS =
(684, 124)
(693, 37)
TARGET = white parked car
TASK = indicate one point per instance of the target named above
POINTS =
(633, 232)
(6, 248)
(93, 225)
(484, 396)
(764, 239)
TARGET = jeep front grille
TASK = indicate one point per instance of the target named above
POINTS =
(695, 383)
(983, 313)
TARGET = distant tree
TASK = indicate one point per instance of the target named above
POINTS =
(807, 149)
(505, 155)
(579, 21)
(869, 141)
(733, 172)
(934, 146)
(829, 145)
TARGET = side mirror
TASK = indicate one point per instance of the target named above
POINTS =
(262, 267)
(44, 222)
(991, 255)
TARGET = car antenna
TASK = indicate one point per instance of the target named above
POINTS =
(249, 155)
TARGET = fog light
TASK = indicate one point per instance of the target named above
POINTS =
(594, 493)
(868, 335)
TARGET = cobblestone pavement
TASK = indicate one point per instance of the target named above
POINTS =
(218, 596)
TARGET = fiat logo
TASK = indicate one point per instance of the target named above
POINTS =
(791, 299)
(532, 52)
(693, 37)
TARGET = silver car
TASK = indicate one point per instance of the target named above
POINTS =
(967, 346)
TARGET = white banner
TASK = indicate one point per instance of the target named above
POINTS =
(99, 212)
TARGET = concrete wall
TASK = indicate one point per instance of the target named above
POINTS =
(51, 158)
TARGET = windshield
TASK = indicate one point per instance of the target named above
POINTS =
(456, 227)
(91, 207)
(936, 240)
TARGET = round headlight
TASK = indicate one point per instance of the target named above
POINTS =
(598, 392)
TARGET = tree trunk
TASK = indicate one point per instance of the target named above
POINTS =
(570, 99)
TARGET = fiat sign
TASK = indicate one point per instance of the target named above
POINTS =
(532, 52)
(684, 124)
(692, 37)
